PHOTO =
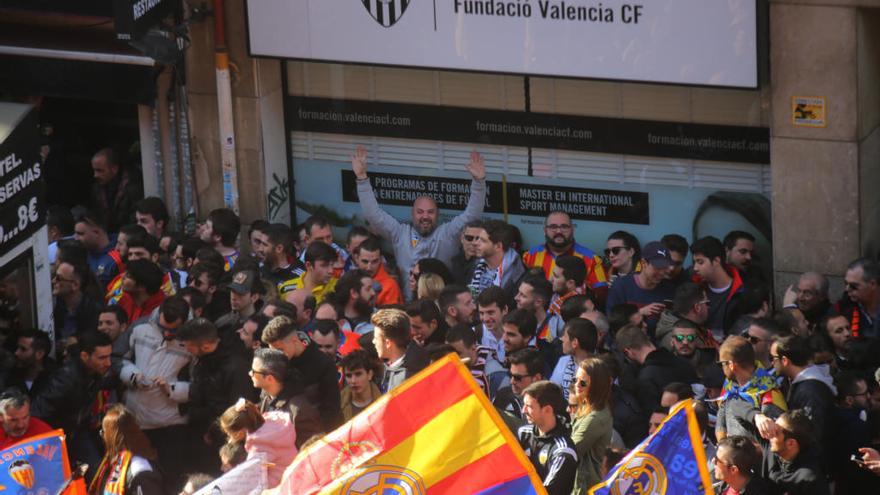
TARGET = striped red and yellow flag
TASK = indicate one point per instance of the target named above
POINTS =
(435, 434)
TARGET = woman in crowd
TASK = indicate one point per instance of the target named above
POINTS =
(592, 422)
(622, 253)
(270, 436)
(127, 466)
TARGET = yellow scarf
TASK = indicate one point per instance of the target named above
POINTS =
(112, 475)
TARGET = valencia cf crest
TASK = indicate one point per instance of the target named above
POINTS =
(386, 12)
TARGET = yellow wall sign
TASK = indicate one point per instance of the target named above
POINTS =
(808, 111)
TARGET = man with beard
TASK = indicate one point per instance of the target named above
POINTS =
(368, 257)
(686, 345)
(559, 241)
(836, 333)
(33, 367)
(423, 238)
(499, 264)
(274, 243)
(356, 293)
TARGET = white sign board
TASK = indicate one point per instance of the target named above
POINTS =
(702, 42)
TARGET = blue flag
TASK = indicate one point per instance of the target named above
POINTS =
(37, 465)
(672, 460)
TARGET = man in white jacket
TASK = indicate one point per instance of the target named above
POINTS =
(151, 372)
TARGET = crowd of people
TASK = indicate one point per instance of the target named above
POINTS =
(177, 357)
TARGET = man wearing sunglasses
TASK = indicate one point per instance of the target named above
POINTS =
(793, 464)
(811, 387)
(737, 467)
(761, 333)
(686, 345)
(423, 237)
(861, 301)
(690, 303)
(526, 367)
(463, 262)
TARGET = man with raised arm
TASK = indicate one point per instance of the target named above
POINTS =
(422, 238)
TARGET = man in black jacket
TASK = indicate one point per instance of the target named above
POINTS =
(391, 337)
(33, 367)
(793, 464)
(545, 439)
(218, 378)
(657, 367)
(319, 374)
(66, 402)
(811, 387)
(282, 390)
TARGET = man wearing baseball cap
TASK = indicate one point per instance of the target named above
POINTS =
(245, 299)
(648, 289)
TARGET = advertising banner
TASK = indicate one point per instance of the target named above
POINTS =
(21, 184)
(700, 42)
(538, 130)
(533, 200)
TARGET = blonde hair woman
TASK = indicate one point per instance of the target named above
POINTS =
(430, 285)
(592, 421)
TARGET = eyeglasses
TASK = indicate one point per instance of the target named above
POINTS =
(753, 339)
(774, 357)
(470, 238)
(722, 363)
(554, 226)
(257, 372)
(515, 378)
(716, 460)
(615, 250)
(682, 338)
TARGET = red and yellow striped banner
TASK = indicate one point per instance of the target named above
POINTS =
(435, 434)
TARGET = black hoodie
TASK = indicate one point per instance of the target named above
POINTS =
(802, 476)
(660, 368)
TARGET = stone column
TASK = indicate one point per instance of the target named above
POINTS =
(822, 218)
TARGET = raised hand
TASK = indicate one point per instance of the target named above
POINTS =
(477, 167)
(359, 162)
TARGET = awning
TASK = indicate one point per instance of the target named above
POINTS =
(74, 61)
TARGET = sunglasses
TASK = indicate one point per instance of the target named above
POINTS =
(753, 339)
(515, 378)
(615, 250)
(470, 238)
(682, 338)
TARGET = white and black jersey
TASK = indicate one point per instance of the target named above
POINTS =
(553, 456)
